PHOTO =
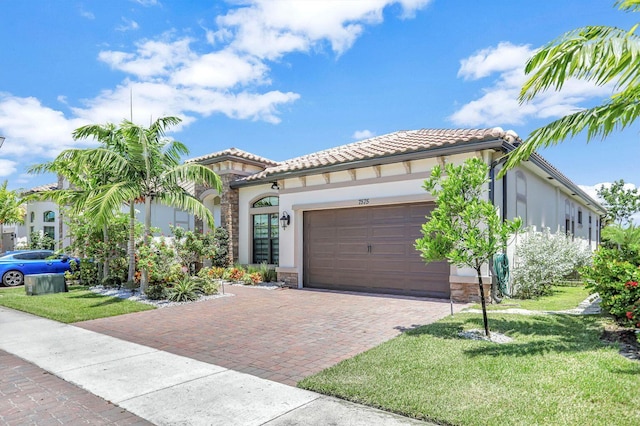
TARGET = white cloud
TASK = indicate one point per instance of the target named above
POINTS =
(223, 69)
(269, 29)
(86, 14)
(504, 57)
(33, 129)
(148, 3)
(362, 134)
(7, 167)
(127, 25)
(498, 105)
(153, 58)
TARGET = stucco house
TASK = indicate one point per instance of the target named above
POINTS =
(346, 218)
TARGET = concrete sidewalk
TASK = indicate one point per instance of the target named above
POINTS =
(168, 389)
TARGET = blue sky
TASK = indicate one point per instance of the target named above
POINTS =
(287, 78)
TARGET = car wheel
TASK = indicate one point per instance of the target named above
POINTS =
(13, 278)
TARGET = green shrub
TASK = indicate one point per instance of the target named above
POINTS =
(221, 256)
(234, 274)
(86, 272)
(184, 291)
(208, 279)
(213, 272)
(210, 287)
(615, 278)
(268, 274)
(544, 260)
(156, 291)
(112, 281)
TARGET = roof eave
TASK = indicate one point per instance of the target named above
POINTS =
(230, 157)
(495, 143)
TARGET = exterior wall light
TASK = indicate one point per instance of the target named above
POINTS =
(285, 220)
(274, 186)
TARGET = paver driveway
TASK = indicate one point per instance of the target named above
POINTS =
(282, 335)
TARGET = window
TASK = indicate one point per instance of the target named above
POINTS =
(32, 217)
(265, 238)
(49, 216)
(265, 232)
(50, 231)
(579, 216)
(266, 202)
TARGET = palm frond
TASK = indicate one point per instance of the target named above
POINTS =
(599, 121)
(595, 53)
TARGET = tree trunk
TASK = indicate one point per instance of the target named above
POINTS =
(484, 304)
(132, 241)
(147, 241)
(105, 266)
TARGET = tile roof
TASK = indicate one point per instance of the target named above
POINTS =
(406, 141)
(232, 152)
(41, 188)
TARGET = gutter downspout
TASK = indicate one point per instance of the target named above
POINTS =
(492, 186)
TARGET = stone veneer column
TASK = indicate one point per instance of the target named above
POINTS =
(229, 212)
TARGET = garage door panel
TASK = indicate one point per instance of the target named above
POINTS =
(371, 249)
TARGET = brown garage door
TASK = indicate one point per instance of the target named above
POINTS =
(371, 249)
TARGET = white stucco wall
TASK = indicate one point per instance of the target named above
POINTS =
(162, 217)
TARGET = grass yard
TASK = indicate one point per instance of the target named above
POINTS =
(562, 298)
(556, 371)
(79, 304)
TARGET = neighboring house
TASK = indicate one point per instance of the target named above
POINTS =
(45, 217)
(347, 218)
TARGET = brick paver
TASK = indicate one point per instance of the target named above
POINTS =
(282, 335)
(31, 396)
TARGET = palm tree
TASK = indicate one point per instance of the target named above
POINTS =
(147, 166)
(11, 210)
(83, 182)
(600, 54)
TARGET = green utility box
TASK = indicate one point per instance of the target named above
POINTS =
(44, 283)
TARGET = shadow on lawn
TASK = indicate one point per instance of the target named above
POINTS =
(532, 335)
(101, 299)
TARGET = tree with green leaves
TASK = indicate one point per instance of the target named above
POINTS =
(464, 227)
(148, 169)
(83, 181)
(600, 54)
(11, 210)
(621, 203)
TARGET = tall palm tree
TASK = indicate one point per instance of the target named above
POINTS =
(11, 210)
(600, 54)
(148, 168)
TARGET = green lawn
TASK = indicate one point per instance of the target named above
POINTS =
(556, 371)
(562, 298)
(79, 304)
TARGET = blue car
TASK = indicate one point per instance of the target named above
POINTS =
(15, 265)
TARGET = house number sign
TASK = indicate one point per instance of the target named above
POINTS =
(363, 201)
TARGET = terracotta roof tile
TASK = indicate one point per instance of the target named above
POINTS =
(233, 152)
(390, 144)
(41, 188)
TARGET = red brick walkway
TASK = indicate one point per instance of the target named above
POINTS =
(31, 396)
(281, 335)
